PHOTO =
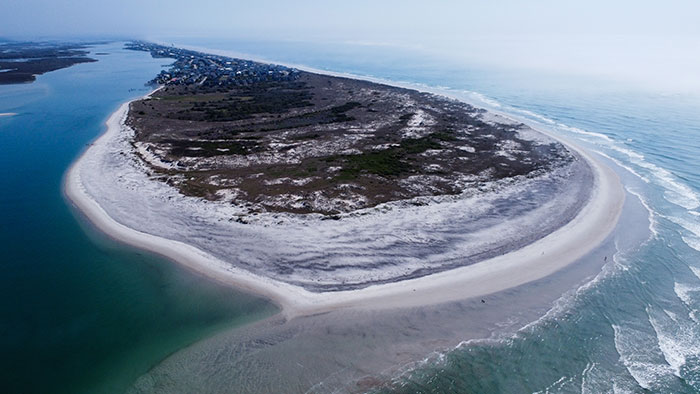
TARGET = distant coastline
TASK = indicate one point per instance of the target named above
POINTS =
(572, 241)
(21, 62)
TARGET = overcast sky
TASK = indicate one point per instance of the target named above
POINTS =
(642, 37)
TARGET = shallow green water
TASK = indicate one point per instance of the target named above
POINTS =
(81, 314)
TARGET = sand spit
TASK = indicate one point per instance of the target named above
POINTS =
(593, 223)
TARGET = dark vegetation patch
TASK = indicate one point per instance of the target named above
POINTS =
(327, 140)
(25, 60)
(243, 103)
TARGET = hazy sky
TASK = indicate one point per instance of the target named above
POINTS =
(349, 18)
(641, 39)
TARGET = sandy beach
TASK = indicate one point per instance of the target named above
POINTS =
(588, 229)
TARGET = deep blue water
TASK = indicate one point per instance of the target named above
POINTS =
(79, 313)
(82, 314)
(635, 327)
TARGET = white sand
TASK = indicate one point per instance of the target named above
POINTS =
(587, 230)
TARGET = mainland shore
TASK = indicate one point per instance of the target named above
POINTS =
(560, 248)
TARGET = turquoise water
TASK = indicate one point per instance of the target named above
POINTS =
(81, 314)
(636, 326)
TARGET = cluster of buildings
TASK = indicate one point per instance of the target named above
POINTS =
(196, 68)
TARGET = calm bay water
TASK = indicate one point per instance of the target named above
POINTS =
(636, 326)
(82, 314)
(79, 313)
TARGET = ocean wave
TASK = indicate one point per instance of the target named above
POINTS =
(621, 390)
(653, 215)
(675, 191)
(677, 341)
(597, 379)
(623, 165)
(577, 130)
(484, 99)
(695, 271)
(668, 344)
(536, 116)
(692, 238)
(563, 384)
(637, 351)
(683, 293)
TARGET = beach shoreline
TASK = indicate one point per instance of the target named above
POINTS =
(590, 227)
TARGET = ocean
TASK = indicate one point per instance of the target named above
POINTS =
(88, 315)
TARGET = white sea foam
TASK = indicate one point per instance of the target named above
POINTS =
(564, 383)
(597, 379)
(591, 381)
(577, 130)
(653, 215)
(486, 100)
(693, 242)
(625, 166)
(617, 389)
(676, 191)
(696, 271)
(683, 292)
(692, 237)
(536, 116)
(639, 354)
(675, 339)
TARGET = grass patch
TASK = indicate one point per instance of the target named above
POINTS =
(385, 163)
(389, 162)
(446, 136)
(419, 145)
